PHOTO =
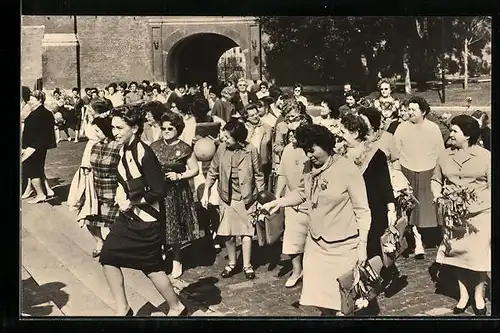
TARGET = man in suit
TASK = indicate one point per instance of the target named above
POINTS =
(243, 97)
(38, 137)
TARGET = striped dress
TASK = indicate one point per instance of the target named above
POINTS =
(136, 238)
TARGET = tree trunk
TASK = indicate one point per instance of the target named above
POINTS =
(406, 67)
(466, 64)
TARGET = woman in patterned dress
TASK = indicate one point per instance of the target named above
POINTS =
(386, 104)
(104, 158)
(468, 165)
(179, 165)
(136, 237)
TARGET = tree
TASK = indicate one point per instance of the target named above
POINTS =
(230, 69)
(474, 31)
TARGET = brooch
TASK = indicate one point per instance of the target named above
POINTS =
(177, 153)
(324, 184)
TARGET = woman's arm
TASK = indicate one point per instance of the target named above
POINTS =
(213, 171)
(437, 180)
(153, 175)
(257, 171)
(193, 169)
(356, 189)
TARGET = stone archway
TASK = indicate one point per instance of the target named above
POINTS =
(193, 59)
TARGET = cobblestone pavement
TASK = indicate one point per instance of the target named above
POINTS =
(202, 287)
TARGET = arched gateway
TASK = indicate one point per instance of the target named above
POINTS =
(96, 50)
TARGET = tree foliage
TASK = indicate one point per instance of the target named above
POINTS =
(328, 49)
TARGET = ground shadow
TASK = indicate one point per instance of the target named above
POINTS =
(36, 297)
(61, 195)
(147, 310)
(203, 292)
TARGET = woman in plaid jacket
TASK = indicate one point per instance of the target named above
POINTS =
(104, 159)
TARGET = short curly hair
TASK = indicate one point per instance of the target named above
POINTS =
(132, 115)
(289, 105)
(156, 108)
(422, 103)
(237, 130)
(99, 106)
(384, 81)
(373, 116)
(355, 123)
(309, 135)
(469, 126)
(174, 119)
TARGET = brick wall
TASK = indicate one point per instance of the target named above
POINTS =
(59, 67)
(114, 48)
(53, 24)
(31, 55)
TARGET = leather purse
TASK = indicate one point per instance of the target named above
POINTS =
(270, 228)
(369, 276)
(394, 235)
(137, 187)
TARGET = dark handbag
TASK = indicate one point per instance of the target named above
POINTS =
(270, 228)
(394, 235)
(369, 284)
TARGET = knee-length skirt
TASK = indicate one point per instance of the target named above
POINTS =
(295, 235)
(424, 215)
(133, 243)
(473, 251)
(235, 219)
(323, 264)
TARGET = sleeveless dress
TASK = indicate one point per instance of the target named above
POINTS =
(181, 220)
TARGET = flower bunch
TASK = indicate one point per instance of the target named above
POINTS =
(406, 200)
(454, 206)
(258, 215)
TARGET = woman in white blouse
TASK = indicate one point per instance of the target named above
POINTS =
(419, 143)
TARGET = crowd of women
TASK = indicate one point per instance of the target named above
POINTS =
(337, 176)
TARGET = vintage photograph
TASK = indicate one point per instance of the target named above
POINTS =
(281, 166)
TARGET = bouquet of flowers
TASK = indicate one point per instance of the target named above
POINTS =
(453, 206)
(406, 201)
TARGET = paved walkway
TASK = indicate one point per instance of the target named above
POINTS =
(60, 277)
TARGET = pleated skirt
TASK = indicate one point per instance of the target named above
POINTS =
(424, 215)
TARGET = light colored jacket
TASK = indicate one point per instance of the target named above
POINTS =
(250, 175)
(82, 196)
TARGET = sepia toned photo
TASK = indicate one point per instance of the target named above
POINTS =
(243, 166)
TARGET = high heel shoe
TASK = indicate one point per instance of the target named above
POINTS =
(479, 312)
(457, 310)
(292, 282)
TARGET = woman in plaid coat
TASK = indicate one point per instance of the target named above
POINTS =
(104, 159)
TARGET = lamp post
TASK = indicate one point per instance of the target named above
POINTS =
(78, 77)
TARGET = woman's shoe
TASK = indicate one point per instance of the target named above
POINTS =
(457, 310)
(228, 271)
(28, 195)
(479, 312)
(292, 281)
(249, 272)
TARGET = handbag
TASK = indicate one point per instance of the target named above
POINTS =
(393, 241)
(362, 281)
(269, 227)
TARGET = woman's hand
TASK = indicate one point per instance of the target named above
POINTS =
(271, 207)
(361, 251)
(204, 199)
(172, 176)
(391, 217)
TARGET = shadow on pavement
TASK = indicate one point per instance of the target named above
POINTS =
(204, 290)
(146, 310)
(36, 297)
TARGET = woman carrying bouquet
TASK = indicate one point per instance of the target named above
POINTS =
(467, 166)
(339, 215)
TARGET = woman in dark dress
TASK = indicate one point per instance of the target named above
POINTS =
(136, 237)
(104, 158)
(179, 165)
(372, 162)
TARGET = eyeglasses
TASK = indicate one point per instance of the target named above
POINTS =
(168, 128)
(298, 89)
(383, 89)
